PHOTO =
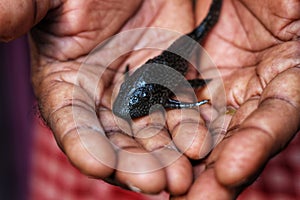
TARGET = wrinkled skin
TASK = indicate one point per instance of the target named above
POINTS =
(256, 51)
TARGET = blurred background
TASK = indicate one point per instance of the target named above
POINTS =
(16, 119)
(33, 168)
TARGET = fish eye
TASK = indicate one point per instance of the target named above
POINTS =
(144, 94)
(134, 100)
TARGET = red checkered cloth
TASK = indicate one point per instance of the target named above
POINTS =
(54, 178)
(280, 179)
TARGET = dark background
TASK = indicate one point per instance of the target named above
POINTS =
(16, 118)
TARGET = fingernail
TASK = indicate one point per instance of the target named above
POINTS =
(134, 188)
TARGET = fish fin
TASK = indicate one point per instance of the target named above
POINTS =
(126, 73)
(171, 103)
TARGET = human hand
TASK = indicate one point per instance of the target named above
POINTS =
(61, 56)
(256, 48)
(63, 35)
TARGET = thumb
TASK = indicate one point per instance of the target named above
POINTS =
(18, 16)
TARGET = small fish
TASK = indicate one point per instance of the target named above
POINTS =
(154, 82)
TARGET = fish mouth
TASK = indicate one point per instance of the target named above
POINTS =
(120, 109)
(122, 115)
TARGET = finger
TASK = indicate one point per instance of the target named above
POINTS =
(151, 133)
(189, 132)
(18, 17)
(137, 169)
(242, 113)
(264, 133)
(69, 111)
(77, 130)
(140, 171)
(219, 126)
(178, 170)
(207, 186)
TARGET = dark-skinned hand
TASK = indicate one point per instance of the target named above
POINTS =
(257, 50)
(255, 47)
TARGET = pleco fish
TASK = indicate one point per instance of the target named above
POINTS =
(153, 83)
